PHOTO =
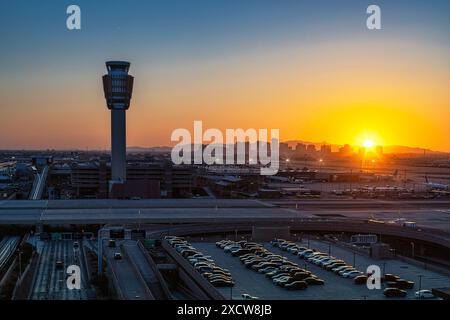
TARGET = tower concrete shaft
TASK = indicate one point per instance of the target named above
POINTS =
(118, 145)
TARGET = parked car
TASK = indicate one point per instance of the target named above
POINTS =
(337, 268)
(361, 279)
(405, 284)
(246, 296)
(117, 256)
(352, 274)
(303, 253)
(222, 283)
(112, 243)
(231, 247)
(394, 292)
(391, 277)
(282, 281)
(424, 294)
(345, 270)
(296, 285)
(267, 270)
(240, 252)
(314, 281)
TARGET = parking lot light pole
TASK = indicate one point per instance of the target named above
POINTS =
(100, 253)
(420, 286)
(20, 264)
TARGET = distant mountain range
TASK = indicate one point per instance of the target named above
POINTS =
(386, 149)
(335, 147)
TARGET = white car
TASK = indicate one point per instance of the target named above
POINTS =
(293, 250)
(352, 274)
(231, 248)
(345, 270)
(246, 296)
(424, 294)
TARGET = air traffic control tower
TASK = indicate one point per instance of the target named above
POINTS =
(118, 88)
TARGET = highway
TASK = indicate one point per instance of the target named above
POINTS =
(8, 246)
(39, 184)
(128, 281)
(138, 259)
(49, 282)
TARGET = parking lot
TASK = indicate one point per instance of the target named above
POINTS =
(256, 284)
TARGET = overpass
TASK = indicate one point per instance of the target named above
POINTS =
(220, 212)
(32, 212)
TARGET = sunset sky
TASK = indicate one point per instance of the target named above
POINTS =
(309, 68)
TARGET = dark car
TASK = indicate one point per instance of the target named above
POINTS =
(394, 292)
(222, 283)
(240, 252)
(112, 243)
(360, 279)
(213, 278)
(301, 276)
(250, 263)
(405, 284)
(391, 277)
(263, 265)
(59, 264)
(296, 285)
(188, 252)
(314, 281)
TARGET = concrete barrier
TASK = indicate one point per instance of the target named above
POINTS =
(138, 273)
(208, 288)
(154, 267)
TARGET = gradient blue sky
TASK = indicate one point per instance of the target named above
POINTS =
(51, 73)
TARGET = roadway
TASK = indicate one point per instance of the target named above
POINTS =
(39, 184)
(141, 264)
(8, 246)
(129, 283)
(49, 282)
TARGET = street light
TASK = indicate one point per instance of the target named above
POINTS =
(20, 263)
(420, 286)
(100, 253)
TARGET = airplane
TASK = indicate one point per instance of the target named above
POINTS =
(435, 186)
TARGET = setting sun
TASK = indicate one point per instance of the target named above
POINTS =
(368, 144)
